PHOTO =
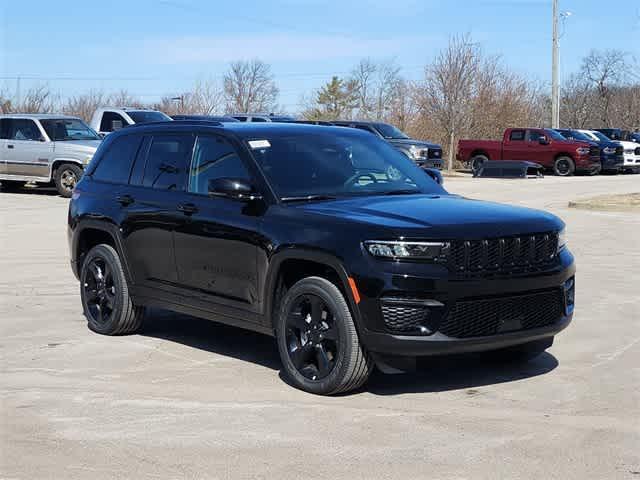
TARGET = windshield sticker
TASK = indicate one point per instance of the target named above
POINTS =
(256, 144)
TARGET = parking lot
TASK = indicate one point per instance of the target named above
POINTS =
(188, 398)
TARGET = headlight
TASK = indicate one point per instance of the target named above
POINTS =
(414, 152)
(582, 150)
(562, 239)
(609, 150)
(434, 251)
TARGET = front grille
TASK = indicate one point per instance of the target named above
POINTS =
(594, 151)
(404, 318)
(435, 153)
(479, 318)
(498, 256)
(619, 150)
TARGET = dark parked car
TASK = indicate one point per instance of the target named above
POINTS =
(615, 133)
(327, 238)
(208, 118)
(261, 117)
(424, 154)
(611, 153)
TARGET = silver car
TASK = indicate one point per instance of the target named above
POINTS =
(44, 148)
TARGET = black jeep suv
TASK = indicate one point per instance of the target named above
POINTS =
(327, 238)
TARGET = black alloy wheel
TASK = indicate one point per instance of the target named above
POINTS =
(99, 291)
(312, 337)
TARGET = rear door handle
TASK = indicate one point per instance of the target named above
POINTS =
(187, 208)
(125, 200)
(9, 146)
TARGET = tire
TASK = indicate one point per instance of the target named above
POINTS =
(521, 353)
(66, 177)
(564, 167)
(476, 163)
(307, 341)
(107, 304)
(12, 185)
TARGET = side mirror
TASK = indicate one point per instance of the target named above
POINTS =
(116, 125)
(435, 174)
(234, 188)
(543, 140)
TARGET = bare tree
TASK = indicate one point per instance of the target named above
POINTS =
(604, 70)
(83, 105)
(123, 98)
(37, 99)
(249, 86)
(448, 86)
(377, 87)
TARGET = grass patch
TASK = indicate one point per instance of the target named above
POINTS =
(626, 202)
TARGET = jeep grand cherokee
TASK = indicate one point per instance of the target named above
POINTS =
(327, 238)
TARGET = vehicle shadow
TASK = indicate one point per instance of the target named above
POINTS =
(433, 374)
(212, 337)
(51, 191)
(457, 372)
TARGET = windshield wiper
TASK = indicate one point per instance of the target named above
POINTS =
(406, 191)
(307, 198)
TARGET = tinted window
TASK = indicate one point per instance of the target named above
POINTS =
(365, 128)
(389, 131)
(20, 129)
(144, 116)
(115, 164)
(535, 135)
(106, 125)
(516, 135)
(214, 157)
(60, 129)
(167, 162)
(338, 163)
(258, 119)
(240, 118)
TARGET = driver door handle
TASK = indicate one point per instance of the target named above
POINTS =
(187, 208)
(125, 200)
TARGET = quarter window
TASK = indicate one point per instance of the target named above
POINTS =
(168, 161)
(516, 135)
(115, 164)
(106, 125)
(214, 157)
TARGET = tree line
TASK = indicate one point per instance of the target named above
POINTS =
(464, 92)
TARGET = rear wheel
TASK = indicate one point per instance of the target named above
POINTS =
(564, 167)
(477, 161)
(317, 339)
(12, 185)
(66, 177)
(105, 294)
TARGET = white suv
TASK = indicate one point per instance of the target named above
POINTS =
(108, 119)
(44, 148)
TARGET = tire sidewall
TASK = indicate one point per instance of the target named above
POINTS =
(334, 300)
(572, 167)
(109, 255)
(476, 163)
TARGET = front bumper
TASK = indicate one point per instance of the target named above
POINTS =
(430, 163)
(379, 338)
(612, 162)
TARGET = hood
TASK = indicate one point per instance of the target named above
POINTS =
(578, 143)
(628, 145)
(88, 146)
(408, 142)
(437, 216)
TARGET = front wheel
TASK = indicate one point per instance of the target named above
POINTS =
(564, 167)
(66, 177)
(317, 339)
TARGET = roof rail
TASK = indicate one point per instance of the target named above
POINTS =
(180, 122)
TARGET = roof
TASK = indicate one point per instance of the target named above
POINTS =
(37, 116)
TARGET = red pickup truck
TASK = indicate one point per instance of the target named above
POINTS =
(541, 145)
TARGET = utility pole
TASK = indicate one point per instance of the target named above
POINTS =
(555, 88)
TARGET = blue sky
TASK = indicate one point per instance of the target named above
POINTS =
(160, 47)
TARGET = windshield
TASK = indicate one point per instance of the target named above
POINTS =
(576, 135)
(337, 165)
(143, 116)
(389, 131)
(601, 136)
(61, 129)
(555, 135)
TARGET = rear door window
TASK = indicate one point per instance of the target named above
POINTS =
(21, 129)
(168, 161)
(115, 164)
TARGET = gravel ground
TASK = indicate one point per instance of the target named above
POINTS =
(189, 398)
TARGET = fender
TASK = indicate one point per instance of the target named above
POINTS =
(310, 255)
(60, 160)
(110, 228)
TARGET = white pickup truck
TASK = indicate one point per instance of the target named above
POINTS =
(44, 148)
(108, 119)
